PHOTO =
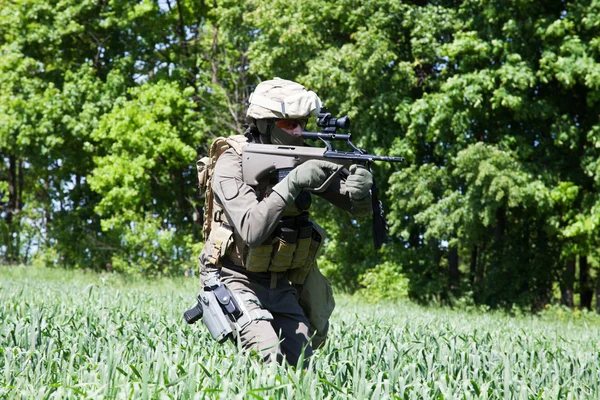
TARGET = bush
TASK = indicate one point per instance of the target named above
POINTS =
(383, 282)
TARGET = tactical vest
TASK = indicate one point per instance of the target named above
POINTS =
(293, 245)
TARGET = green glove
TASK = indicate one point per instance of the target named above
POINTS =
(311, 174)
(359, 182)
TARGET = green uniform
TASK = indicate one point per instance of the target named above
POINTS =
(280, 327)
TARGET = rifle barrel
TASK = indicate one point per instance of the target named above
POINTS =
(360, 157)
(326, 136)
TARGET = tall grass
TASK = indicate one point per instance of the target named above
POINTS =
(67, 334)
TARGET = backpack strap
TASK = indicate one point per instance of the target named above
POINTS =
(206, 166)
(237, 143)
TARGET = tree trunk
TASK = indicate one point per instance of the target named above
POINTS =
(585, 284)
(479, 275)
(413, 239)
(19, 209)
(567, 283)
(453, 267)
(77, 193)
(11, 208)
(183, 205)
(500, 227)
(499, 232)
(12, 190)
(20, 186)
(435, 252)
(214, 50)
(176, 180)
(473, 266)
(598, 295)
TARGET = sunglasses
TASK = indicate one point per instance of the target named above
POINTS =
(291, 124)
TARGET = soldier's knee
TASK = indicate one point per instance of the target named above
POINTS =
(260, 337)
(270, 349)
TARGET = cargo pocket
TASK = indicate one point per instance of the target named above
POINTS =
(316, 299)
(230, 188)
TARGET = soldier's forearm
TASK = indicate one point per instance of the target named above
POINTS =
(260, 220)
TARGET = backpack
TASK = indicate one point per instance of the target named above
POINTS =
(206, 166)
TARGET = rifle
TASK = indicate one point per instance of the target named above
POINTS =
(261, 160)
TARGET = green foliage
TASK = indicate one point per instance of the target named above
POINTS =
(383, 282)
(103, 109)
(68, 334)
(492, 150)
(495, 105)
(145, 140)
(146, 180)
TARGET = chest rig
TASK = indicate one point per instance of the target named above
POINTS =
(292, 246)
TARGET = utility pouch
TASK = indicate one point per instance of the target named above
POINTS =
(221, 239)
(202, 167)
(316, 299)
(302, 246)
(285, 246)
(259, 258)
(227, 301)
(298, 275)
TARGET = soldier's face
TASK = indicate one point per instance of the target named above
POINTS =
(292, 127)
(288, 132)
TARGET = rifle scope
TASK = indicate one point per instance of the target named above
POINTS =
(329, 123)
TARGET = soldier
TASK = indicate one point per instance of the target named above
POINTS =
(262, 245)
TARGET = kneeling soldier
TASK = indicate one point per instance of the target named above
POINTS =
(262, 245)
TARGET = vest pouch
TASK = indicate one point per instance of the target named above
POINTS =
(221, 238)
(285, 246)
(298, 275)
(303, 246)
(259, 258)
(202, 167)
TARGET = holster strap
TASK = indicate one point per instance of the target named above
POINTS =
(248, 316)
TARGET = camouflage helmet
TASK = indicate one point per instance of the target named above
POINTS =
(280, 98)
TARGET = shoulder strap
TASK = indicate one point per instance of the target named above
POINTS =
(237, 143)
(206, 167)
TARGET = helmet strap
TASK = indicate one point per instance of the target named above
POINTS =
(265, 137)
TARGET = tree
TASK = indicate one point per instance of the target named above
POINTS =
(63, 68)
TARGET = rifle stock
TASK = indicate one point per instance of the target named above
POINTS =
(260, 160)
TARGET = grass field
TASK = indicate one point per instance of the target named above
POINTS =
(67, 334)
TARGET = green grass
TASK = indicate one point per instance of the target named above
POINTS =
(67, 334)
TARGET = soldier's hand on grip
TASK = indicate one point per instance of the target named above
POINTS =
(359, 182)
(311, 174)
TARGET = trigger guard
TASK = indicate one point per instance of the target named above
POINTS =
(327, 182)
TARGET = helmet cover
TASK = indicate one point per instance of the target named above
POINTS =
(280, 98)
